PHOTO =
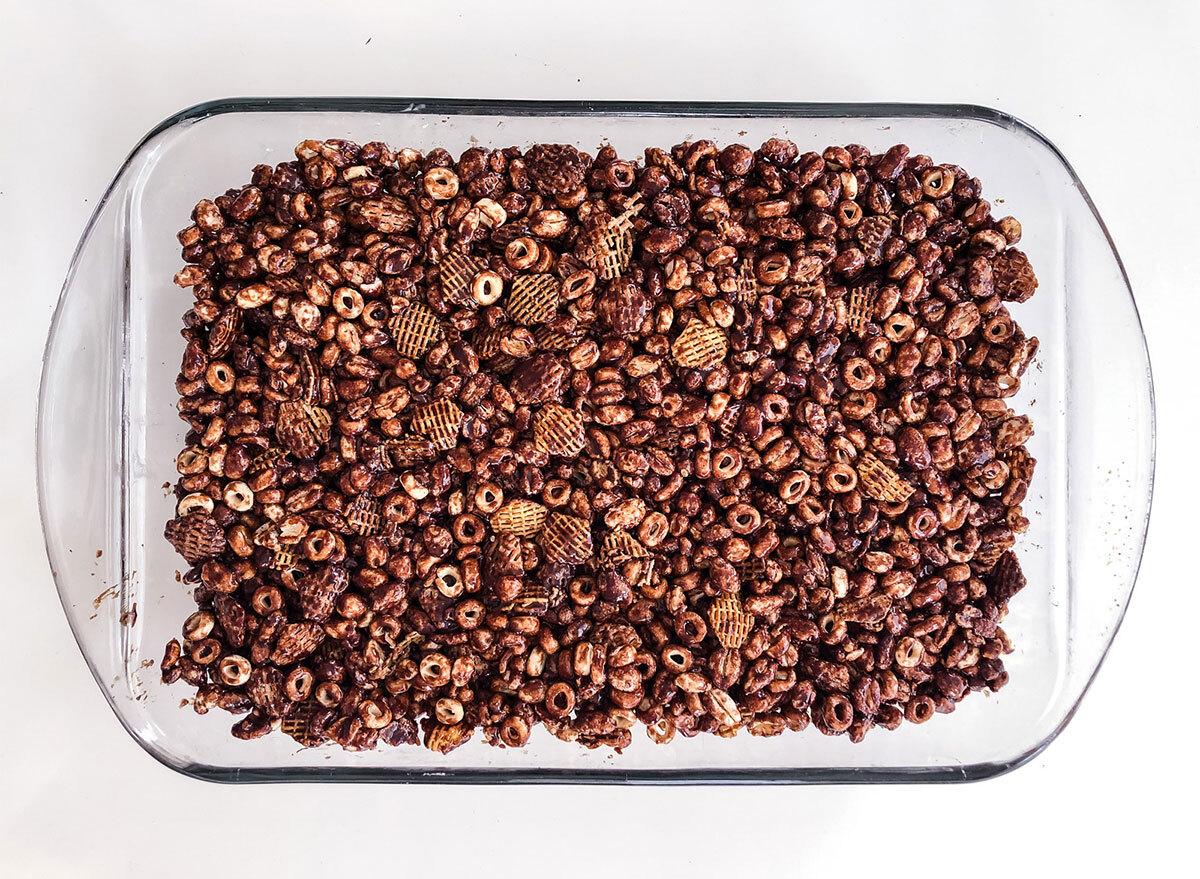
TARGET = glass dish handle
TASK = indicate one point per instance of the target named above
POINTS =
(82, 458)
(1109, 450)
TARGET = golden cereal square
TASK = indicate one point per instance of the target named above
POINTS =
(558, 430)
(363, 515)
(882, 482)
(699, 346)
(444, 739)
(619, 547)
(457, 271)
(550, 340)
(862, 301)
(566, 539)
(534, 299)
(296, 725)
(730, 623)
(440, 421)
(521, 517)
(415, 330)
(747, 283)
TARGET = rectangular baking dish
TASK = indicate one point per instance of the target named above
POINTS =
(108, 435)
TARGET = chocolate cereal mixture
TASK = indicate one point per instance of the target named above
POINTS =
(713, 440)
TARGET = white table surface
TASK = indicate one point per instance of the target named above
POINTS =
(1112, 84)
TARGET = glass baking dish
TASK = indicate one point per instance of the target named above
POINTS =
(108, 435)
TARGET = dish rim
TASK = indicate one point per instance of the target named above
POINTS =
(622, 108)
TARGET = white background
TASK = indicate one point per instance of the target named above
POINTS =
(1112, 84)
